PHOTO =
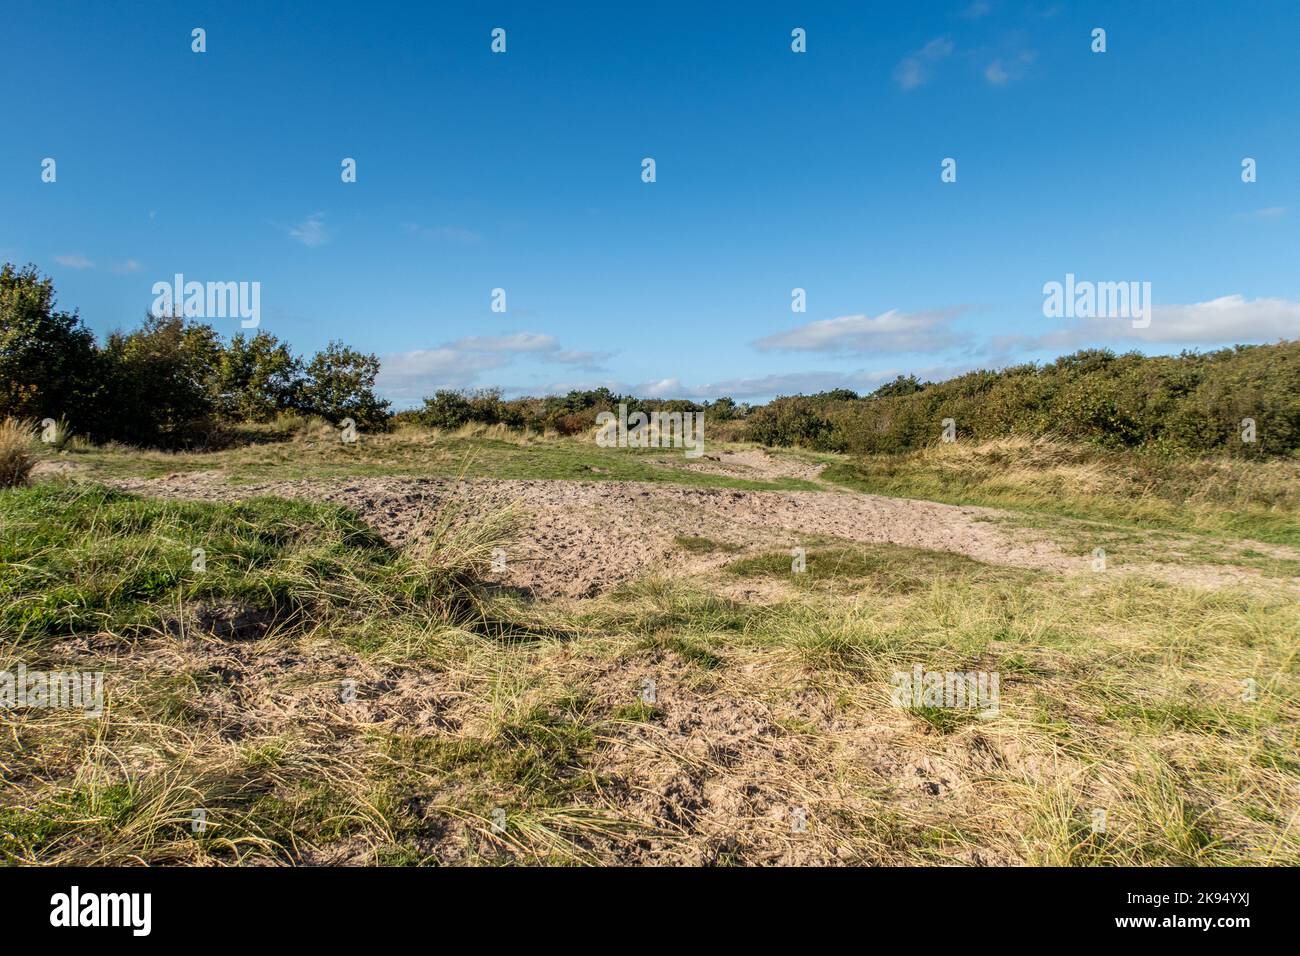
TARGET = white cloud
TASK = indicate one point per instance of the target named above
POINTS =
(1227, 320)
(914, 70)
(979, 8)
(1003, 70)
(311, 231)
(406, 377)
(588, 361)
(517, 342)
(909, 74)
(891, 331)
(661, 388)
(936, 49)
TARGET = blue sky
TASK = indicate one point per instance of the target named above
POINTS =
(775, 170)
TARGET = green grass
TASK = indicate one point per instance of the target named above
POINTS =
(76, 558)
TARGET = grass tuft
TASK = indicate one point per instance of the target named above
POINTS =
(17, 452)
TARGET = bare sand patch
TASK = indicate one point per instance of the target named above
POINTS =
(582, 538)
(755, 464)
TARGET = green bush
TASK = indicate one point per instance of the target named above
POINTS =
(340, 384)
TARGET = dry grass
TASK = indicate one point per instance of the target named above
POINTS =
(472, 742)
(1226, 496)
(391, 707)
(17, 452)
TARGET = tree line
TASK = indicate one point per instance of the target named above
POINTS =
(174, 383)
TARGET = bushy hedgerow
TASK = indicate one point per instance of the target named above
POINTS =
(1193, 403)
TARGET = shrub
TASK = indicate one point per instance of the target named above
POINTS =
(340, 384)
(447, 409)
(789, 421)
(257, 378)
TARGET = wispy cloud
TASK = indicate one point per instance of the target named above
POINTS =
(1004, 70)
(587, 361)
(78, 261)
(1268, 212)
(516, 342)
(545, 347)
(915, 70)
(465, 237)
(311, 231)
(891, 331)
(978, 9)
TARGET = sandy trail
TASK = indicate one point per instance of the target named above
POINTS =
(582, 538)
